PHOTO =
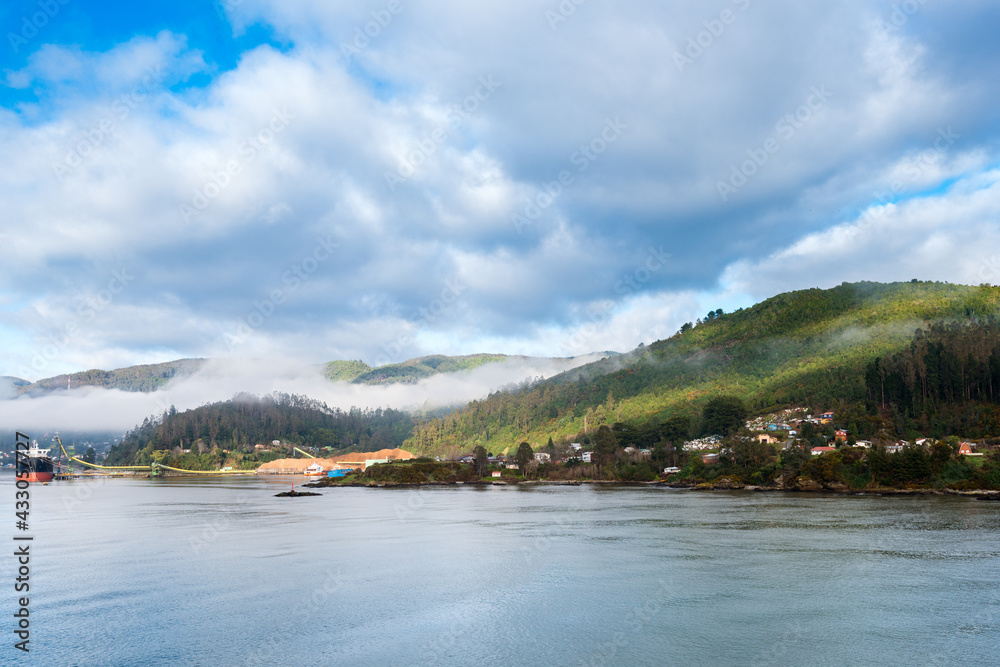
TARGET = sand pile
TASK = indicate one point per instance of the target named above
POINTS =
(298, 466)
(391, 454)
(293, 466)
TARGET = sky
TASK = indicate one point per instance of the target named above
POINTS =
(378, 180)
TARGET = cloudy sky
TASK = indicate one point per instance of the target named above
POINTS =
(382, 179)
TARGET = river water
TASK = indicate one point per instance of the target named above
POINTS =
(221, 572)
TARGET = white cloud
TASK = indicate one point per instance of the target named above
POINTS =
(345, 125)
(90, 409)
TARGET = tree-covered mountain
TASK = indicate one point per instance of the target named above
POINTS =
(150, 377)
(237, 425)
(145, 377)
(344, 371)
(410, 371)
(809, 347)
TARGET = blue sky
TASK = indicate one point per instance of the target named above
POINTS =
(380, 180)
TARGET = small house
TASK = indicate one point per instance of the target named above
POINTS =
(497, 473)
(964, 449)
(766, 439)
(819, 451)
(840, 435)
(588, 457)
(543, 457)
(576, 446)
(672, 470)
(709, 459)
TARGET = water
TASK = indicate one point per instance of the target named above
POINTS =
(220, 572)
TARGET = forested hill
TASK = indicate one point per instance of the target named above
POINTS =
(244, 421)
(412, 370)
(809, 347)
(150, 377)
(145, 377)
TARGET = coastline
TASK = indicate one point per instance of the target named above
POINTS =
(977, 494)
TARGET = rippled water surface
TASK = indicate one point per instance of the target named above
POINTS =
(214, 572)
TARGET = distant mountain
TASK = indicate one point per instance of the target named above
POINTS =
(11, 386)
(150, 377)
(413, 370)
(146, 377)
(345, 371)
(809, 347)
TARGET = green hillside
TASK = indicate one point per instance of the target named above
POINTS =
(151, 377)
(147, 377)
(344, 371)
(421, 368)
(809, 347)
(228, 431)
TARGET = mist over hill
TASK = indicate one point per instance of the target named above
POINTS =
(808, 347)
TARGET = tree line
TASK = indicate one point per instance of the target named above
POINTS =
(947, 380)
(246, 420)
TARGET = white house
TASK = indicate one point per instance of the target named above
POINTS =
(588, 457)
(542, 457)
(576, 446)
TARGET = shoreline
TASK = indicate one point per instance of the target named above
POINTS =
(983, 494)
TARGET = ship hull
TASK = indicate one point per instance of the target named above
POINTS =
(35, 468)
(37, 476)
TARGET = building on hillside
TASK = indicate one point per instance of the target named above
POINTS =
(827, 415)
(964, 449)
(672, 470)
(709, 459)
(497, 473)
(588, 457)
(766, 439)
(897, 446)
(818, 451)
(576, 446)
(840, 435)
(543, 457)
(511, 466)
(864, 444)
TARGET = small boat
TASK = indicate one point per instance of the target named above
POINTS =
(315, 470)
